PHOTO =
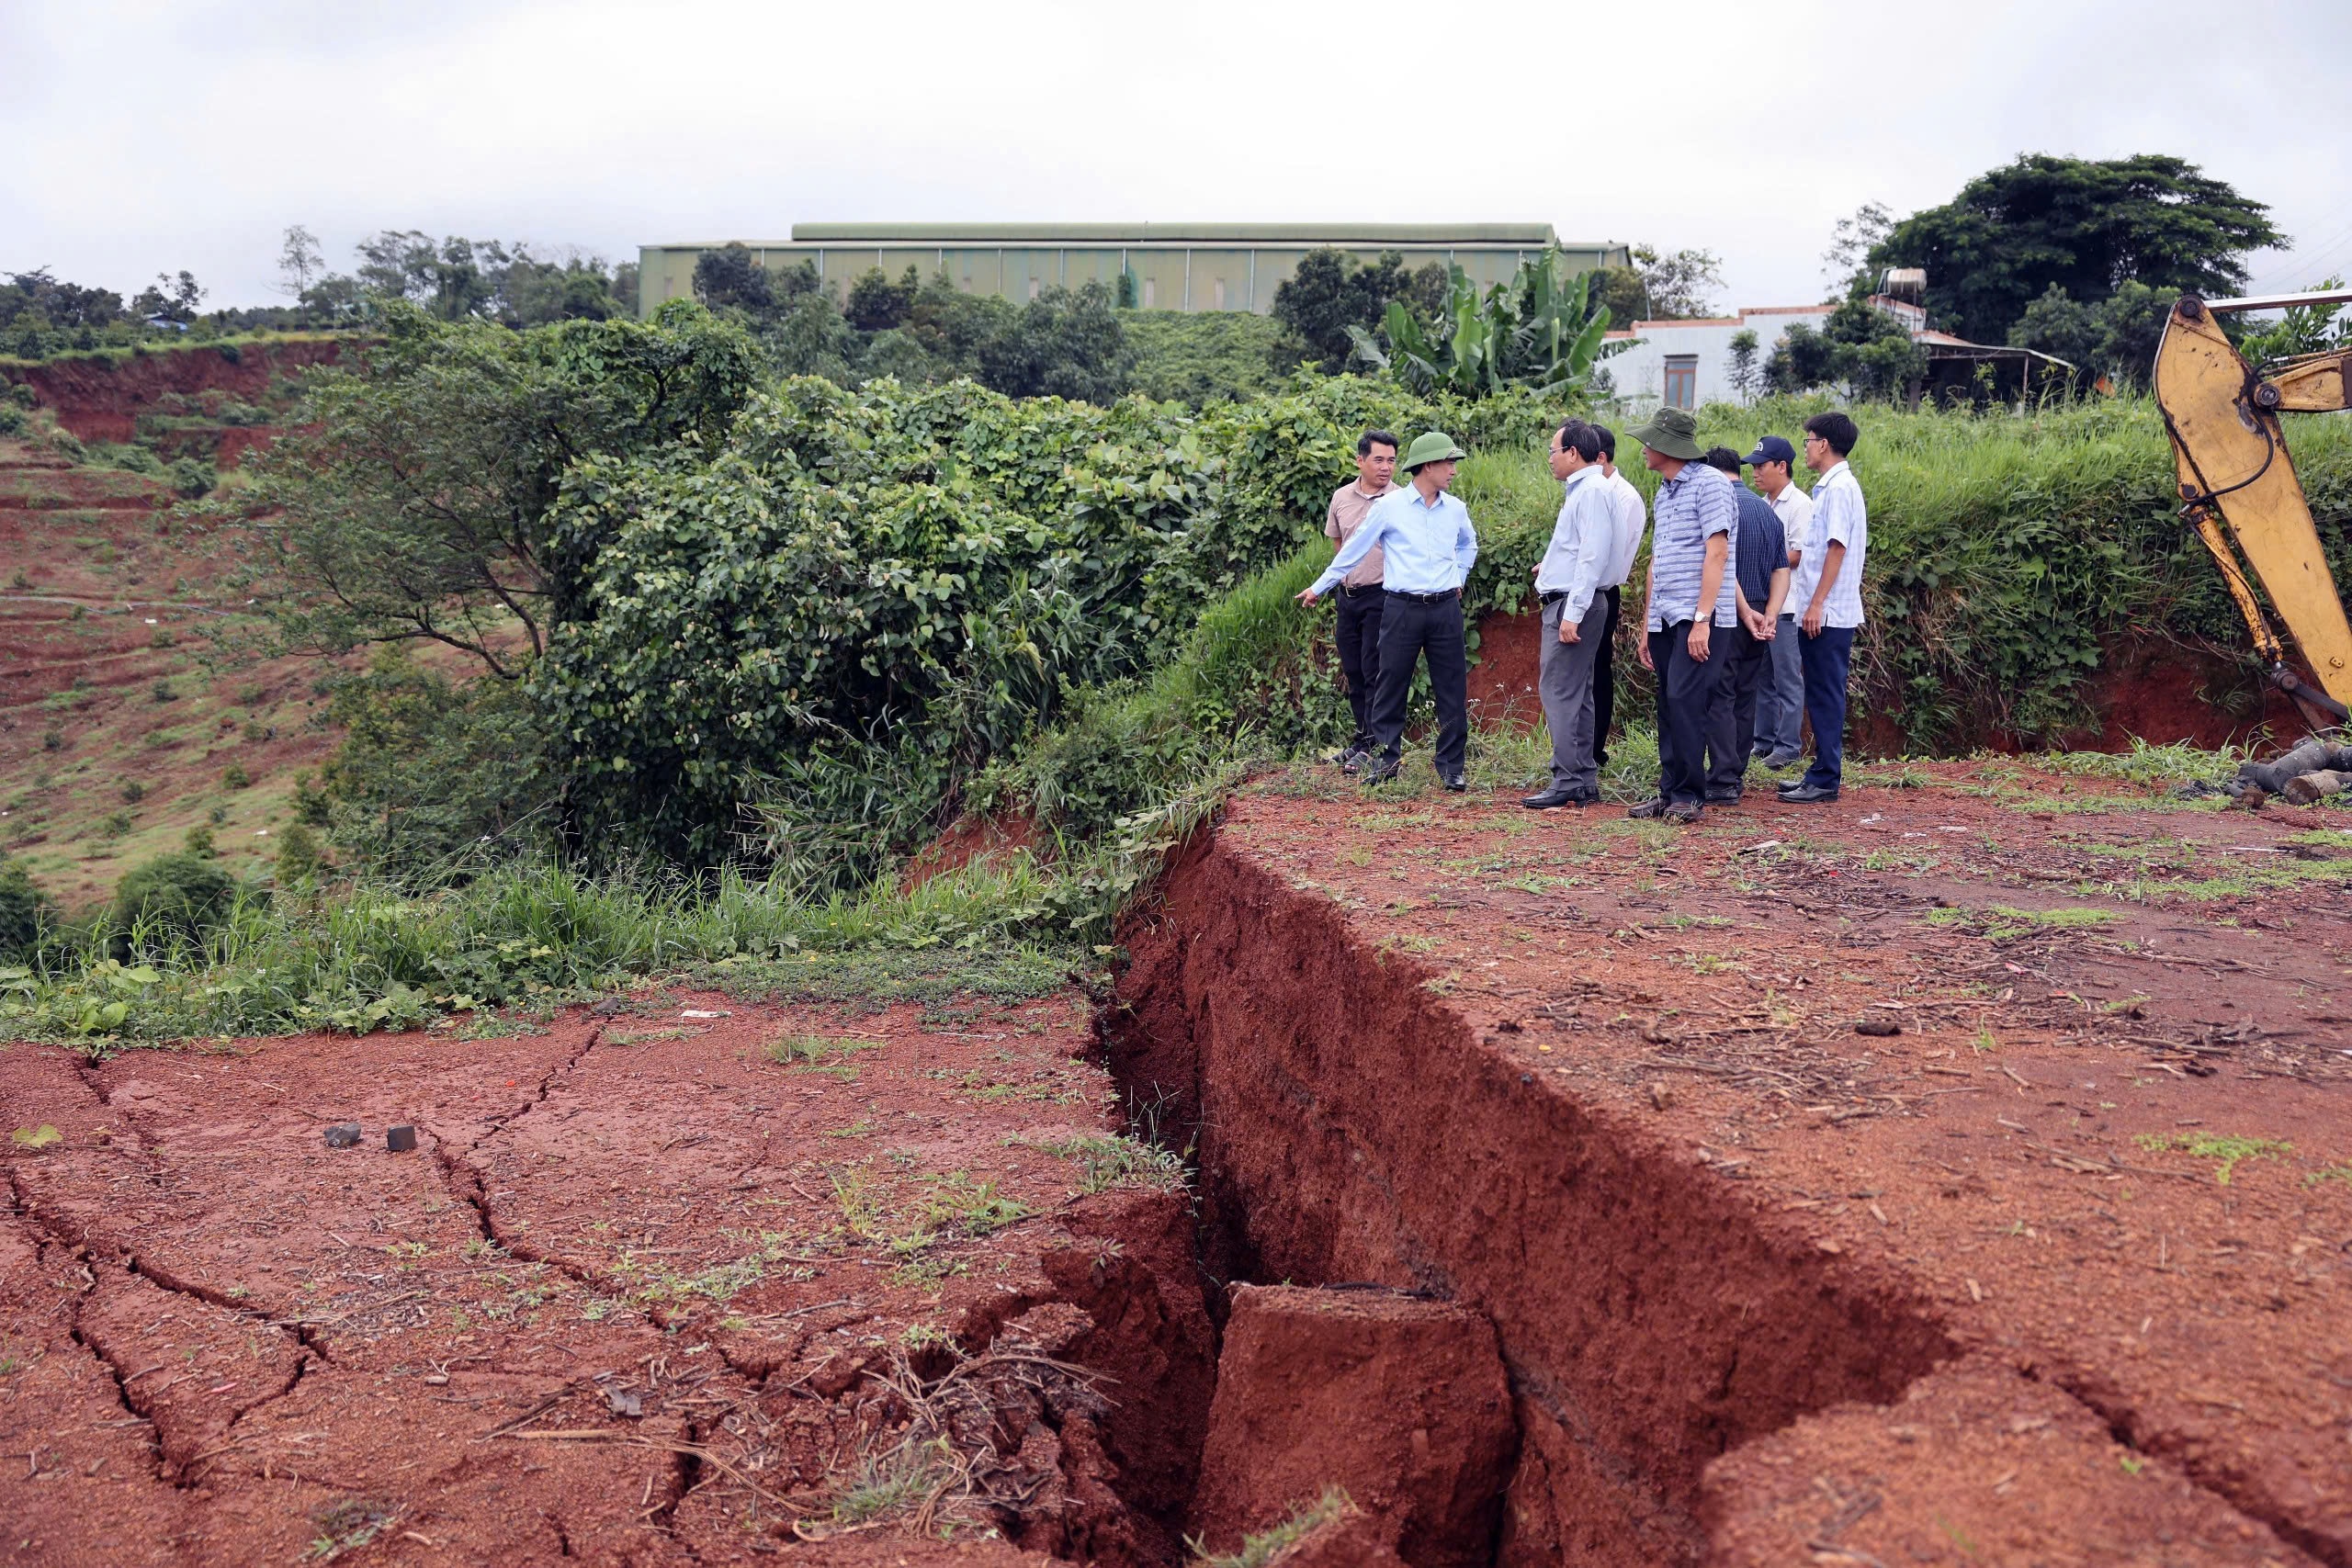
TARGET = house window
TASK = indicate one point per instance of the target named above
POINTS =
(1682, 380)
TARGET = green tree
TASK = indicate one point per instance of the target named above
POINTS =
(731, 278)
(1332, 292)
(877, 304)
(1745, 372)
(25, 913)
(1660, 286)
(2088, 226)
(1067, 342)
(2115, 339)
(412, 503)
(1867, 351)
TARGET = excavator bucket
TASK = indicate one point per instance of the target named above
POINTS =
(2234, 471)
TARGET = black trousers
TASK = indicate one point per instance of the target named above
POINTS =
(1358, 638)
(1689, 692)
(1604, 683)
(1731, 733)
(1412, 630)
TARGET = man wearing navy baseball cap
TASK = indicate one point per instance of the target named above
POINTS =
(1780, 697)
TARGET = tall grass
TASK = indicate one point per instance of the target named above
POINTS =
(2009, 555)
(534, 935)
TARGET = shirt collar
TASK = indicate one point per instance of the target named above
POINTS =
(1415, 491)
(1834, 470)
(1590, 470)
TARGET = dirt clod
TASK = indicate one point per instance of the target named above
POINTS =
(343, 1135)
(1401, 1402)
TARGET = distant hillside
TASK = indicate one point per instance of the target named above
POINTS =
(123, 724)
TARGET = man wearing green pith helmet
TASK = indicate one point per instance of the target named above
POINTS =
(1428, 547)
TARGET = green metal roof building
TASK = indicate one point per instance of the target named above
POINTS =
(1177, 266)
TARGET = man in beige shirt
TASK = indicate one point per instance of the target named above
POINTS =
(1358, 596)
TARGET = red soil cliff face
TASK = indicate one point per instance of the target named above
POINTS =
(1351, 1128)
(101, 399)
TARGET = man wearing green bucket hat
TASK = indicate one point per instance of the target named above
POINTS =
(1692, 524)
(1428, 547)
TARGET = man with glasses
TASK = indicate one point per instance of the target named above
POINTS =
(1829, 592)
(1779, 701)
(1574, 614)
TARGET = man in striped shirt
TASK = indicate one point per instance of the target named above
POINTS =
(1692, 521)
(1828, 596)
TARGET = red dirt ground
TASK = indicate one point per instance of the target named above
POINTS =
(101, 398)
(119, 700)
(1601, 1080)
(628, 1302)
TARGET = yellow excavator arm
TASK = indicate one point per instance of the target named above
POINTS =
(2238, 485)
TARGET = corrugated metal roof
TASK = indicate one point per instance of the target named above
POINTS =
(1531, 234)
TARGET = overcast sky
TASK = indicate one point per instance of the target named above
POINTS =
(144, 137)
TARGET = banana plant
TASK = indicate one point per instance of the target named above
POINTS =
(1535, 332)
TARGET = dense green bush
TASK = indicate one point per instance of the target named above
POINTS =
(25, 913)
(171, 898)
(435, 778)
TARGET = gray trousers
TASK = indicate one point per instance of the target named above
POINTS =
(1563, 679)
(1780, 696)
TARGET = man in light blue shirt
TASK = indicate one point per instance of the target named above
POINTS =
(1574, 614)
(1427, 548)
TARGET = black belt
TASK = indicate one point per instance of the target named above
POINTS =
(1348, 593)
(1425, 598)
(1550, 596)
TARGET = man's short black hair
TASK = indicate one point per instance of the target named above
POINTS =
(1582, 439)
(1835, 428)
(1723, 458)
(1372, 438)
(1608, 440)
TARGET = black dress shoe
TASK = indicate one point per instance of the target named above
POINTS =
(1683, 811)
(1808, 794)
(1723, 798)
(1455, 783)
(1352, 759)
(1379, 771)
(1558, 795)
(1654, 807)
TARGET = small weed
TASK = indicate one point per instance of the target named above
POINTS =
(1118, 1160)
(921, 1273)
(2132, 1464)
(2229, 1151)
(162, 692)
(818, 1051)
(234, 776)
(1999, 922)
(2330, 1173)
(926, 1336)
(349, 1524)
(133, 792)
(115, 825)
(1259, 1549)
(52, 738)
(1985, 1042)
(36, 1138)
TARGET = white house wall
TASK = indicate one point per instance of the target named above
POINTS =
(1637, 371)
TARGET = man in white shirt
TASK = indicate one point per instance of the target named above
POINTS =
(1828, 595)
(1779, 701)
(1631, 519)
(1574, 614)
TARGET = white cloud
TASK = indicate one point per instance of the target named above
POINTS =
(153, 136)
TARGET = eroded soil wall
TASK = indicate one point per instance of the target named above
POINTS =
(1351, 1128)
